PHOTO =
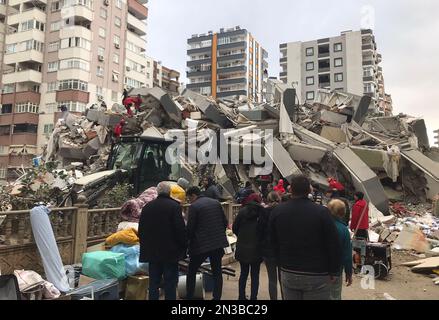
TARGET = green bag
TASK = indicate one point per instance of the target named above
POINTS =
(102, 265)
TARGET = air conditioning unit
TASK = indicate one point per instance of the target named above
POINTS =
(107, 2)
(117, 45)
(115, 77)
(100, 57)
(128, 68)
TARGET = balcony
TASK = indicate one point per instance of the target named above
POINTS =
(283, 74)
(137, 9)
(199, 50)
(366, 32)
(368, 47)
(33, 34)
(33, 13)
(196, 73)
(24, 138)
(23, 76)
(237, 44)
(283, 60)
(26, 96)
(198, 85)
(17, 2)
(75, 52)
(72, 95)
(368, 63)
(136, 26)
(239, 56)
(368, 79)
(225, 94)
(232, 69)
(24, 56)
(283, 46)
(80, 11)
(25, 117)
(232, 81)
(199, 62)
(76, 31)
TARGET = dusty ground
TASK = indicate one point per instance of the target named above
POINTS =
(402, 284)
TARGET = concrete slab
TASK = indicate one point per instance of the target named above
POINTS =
(282, 160)
(306, 153)
(333, 134)
(332, 117)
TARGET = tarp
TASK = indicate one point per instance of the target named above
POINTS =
(46, 243)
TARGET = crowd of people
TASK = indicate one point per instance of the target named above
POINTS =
(301, 234)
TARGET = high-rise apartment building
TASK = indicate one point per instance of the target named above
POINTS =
(228, 63)
(70, 53)
(166, 78)
(349, 62)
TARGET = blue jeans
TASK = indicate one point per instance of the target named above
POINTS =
(169, 273)
(304, 287)
(245, 269)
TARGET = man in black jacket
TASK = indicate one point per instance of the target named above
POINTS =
(206, 228)
(306, 243)
(163, 242)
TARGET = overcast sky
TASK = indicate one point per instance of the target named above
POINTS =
(406, 33)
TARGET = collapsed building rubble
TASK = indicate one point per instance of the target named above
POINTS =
(338, 135)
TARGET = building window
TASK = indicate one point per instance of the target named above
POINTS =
(53, 46)
(51, 107)
(56, 6)
(4, 150)
(5, 130)
(3, 172)
(73, 84)
(72, 106)
(48, 128)
(117, 21)
(119, 4)
(309, 52)
(310, 95)
(74, 64)
(338, 47)
(26, 107)
(103, 13)
(75, 42)
(6, 109)
(309, 66)
(368, 72)
(52, 66)
(338, 62)
(101, 51)
(369, 88)
(114, 96)
(55, 26)
(8, 88)
(309, 81)
(115, 58)
(116, 39)
(101, 32)
(338, 77)
(148, 64)
(100, 71)
(148, 75)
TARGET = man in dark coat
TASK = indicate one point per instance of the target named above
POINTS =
(248, 229)
(206, 228)
(210, 189)
(163, 242)
(307, 245)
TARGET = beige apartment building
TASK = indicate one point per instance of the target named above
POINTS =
(70, 53)
(166, 78)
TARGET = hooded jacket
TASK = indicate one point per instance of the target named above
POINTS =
(247, 227)
(357, 211)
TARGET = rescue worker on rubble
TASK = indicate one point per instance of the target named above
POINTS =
(163, 242)
(206, 229)
(360, 217)
(119, 129)
(337, 185)
(337, 208)
(124, 95)
(132, 102)
(279, 188)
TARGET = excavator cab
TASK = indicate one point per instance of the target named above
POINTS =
(144, 159)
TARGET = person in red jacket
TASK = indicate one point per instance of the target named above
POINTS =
(119, 128)
(280, 187)
(360, 217)
(138, 102)
(334, 184)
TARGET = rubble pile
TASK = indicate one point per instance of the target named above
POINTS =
(340, 135)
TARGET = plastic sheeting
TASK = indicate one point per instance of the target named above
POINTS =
(46, 243)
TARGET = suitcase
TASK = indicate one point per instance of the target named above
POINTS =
(98, 290)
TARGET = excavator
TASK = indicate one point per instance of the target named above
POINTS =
(137, 160)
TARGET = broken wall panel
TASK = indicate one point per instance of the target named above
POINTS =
(282, 160)
(306, 153)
